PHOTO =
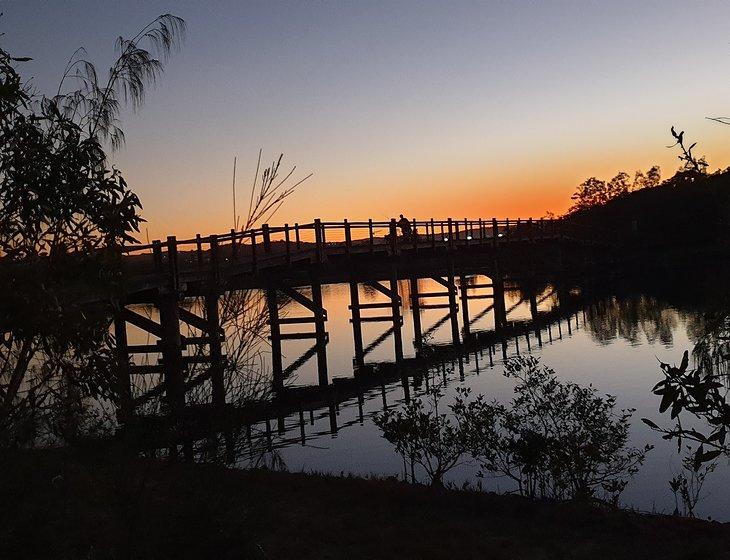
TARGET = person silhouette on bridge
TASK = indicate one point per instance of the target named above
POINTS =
(405, 226)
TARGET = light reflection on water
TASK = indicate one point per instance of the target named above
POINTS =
(614, 345)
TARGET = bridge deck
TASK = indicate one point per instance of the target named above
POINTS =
(258, 258)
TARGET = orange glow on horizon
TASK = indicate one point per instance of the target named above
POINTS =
(477, 192)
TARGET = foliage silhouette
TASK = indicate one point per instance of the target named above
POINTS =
(243, 314)
(596, 192)
(687, 485)
(271, 192)
(63, 211)
(556, 439)
(95, 105)
(425, 436)
(630, 318)
(702, 393)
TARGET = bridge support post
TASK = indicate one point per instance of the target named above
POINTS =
(563, 294)
(397, 321)
(453, 306)
(320, 334)
(275, 334)
(123, 380)
(333, 416)
(406, 388)
(500, 310)
(535, 315)
(416, 312)
(356, 324)
(172, 352)
(463, 288)
(319, 241)
(215, 351)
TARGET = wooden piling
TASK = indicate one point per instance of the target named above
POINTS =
(266, 234)
(288, 244)
(356, 324)
(348, 239)
(234, 245)
(534, 314)
(215, 351)
(121, 351)
(318, 241)
(463, 288)
(321, 335)
(416, 312)
(302, 432)
(214, 262)
(397, 321)
(172, 263)
(333, 418)
(452, 304)
(171, 344)
(275, 336)
(370, 234)
(157, 255)
(500, 310)
(254, 257)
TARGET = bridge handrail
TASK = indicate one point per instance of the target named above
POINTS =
(257, 242)
(266, 229)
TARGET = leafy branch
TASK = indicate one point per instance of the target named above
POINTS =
(267, 198)
(140, 63)
(702, 394)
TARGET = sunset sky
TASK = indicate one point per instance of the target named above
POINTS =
(433, 109)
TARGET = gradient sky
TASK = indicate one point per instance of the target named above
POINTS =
(433, 109)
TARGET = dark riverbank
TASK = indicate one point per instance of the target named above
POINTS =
(55, 505)
(680, 224)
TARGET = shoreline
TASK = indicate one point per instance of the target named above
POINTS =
(64, 504)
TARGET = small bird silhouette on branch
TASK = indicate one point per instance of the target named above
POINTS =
(690, 162)
(678, 137)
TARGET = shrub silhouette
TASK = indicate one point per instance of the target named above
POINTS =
(425, 436)
(556, 439)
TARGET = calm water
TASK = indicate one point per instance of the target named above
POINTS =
(613, 344)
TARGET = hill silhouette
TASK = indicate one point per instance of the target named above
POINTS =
(686, 215)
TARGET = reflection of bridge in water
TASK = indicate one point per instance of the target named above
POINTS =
(291, 420)
(448, 252)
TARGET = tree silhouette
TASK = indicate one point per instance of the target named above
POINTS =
(596, 192)
(63, 210)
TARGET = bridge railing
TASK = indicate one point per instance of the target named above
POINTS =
(289, 242)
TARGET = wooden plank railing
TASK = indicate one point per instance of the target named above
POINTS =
(319, 237)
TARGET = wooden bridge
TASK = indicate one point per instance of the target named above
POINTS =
(282, 260)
